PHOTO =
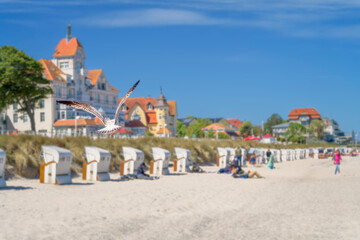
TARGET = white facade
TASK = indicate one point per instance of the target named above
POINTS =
(73, 83)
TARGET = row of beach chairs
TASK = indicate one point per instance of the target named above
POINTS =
(56, 168)
(227, 154)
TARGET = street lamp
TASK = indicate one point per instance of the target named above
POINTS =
(75, 122)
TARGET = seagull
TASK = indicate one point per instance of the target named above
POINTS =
(111, 125)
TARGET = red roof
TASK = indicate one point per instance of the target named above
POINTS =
(94, 75)
(143, 103)
(79, 122)
(65, 48)
(161, 131)
(134, 123)
(235, 122)
(297, 112)
(216, 126)
(268, 136)
(51, 71)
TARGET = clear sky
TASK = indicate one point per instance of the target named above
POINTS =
(241, 59)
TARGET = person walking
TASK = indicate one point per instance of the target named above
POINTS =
(268, 154)
(337, 161)
(271, 161)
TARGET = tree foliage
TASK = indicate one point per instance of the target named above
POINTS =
(273, 120)
(195, 128)
(295, 132)
(181, 129)
(245, 129)
(257, 130)
(21, 81)
(316, 129)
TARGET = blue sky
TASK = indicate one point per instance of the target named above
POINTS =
(241, 59)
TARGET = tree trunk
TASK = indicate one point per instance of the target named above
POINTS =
(32, 121)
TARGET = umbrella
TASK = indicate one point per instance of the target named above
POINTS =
(268, 136)
(124, 131)
(251, 138)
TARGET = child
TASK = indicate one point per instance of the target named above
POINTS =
(253, 159)
(337, 161)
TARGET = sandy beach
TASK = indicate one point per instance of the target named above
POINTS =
(298, 200)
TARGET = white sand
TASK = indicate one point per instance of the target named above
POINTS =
(298, 200)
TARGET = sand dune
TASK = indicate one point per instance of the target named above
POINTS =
(298, 200)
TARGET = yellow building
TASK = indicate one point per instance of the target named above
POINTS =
(153, 113)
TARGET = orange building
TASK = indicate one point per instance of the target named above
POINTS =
(153, 113)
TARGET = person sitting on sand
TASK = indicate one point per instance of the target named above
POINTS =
(229, 168)
(242, 174)
(140, 173)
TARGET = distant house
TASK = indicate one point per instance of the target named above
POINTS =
(304, 116)
(234, 123)
(153, 113)
(280, 129)
(268, 138)
(221, 128)
(187, 121)
(219, 120)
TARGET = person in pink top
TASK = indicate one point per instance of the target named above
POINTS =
(337, 161)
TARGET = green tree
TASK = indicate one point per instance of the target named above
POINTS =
(211, 133)
(149, 134)
(295, 132)
(246, 129)
(195, 128)
(21, 81)
(316, 129)
(181, 129)
(273, 120)
(257, 130)
(222, 135)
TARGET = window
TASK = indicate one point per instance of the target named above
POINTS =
(150, 106)
(114, 100)
(106, 99)
(62, 115)
(99, 85)
(42, 103)
(160, 116)
(64, 65)
(103, 86)
(123, 107)
(42, 117)
(15, 118)
(15, 106)
(58, 92)
(135, 116)
(165, 116)
(25, 118)
(97, 98)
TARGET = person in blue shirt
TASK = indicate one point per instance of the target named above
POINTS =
(140, 173)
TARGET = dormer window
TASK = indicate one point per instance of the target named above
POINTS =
(150, 106)
(123, 107)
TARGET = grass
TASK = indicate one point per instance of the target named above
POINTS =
(23, 151)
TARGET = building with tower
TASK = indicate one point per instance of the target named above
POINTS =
(70, 80)
(159, 116)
